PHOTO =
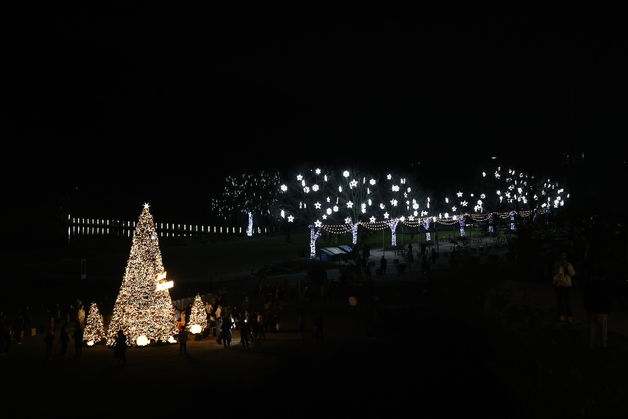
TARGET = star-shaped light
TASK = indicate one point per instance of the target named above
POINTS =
(324, 217)
(306, 189)
(299, 178)
(353, 183)
(393, 202)
(284, 188)
(349, 204)
(372, 219)
(403, 218)
(453, 209)
(317, 223)
(318, 171)
(290, 218)
(464, 203)
(348, 220)
(386, 215)
(317, 205)
(389, 176)
(146, 205)
(459, 194)
(372, 181)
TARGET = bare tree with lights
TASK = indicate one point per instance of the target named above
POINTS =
(250, 193)
(143, 308)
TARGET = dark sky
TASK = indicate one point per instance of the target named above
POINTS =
(135, 102)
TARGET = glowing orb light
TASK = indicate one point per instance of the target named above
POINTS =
(172, 340)
(195, 328)
(142, 340)
(90, 343)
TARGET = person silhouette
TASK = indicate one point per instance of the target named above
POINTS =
(120, 347)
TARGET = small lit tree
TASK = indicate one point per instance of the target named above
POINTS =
(94, 328)
(198, 317)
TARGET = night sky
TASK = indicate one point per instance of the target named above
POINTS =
(109, 107)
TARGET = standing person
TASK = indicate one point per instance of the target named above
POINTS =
(563, 272)
(78, 341)
(64, 338)
(18, 328)
(244, 333)
(318, 328)
(410, 255)
(188, 313)
(120, 347)
(225, 332)
(49, 341)
(218, 329)
(598, 303)
(5, 335)
(261, 327)
(182, 337)
(382, 265)
(81, 316)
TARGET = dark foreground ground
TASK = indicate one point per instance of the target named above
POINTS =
(473, 340)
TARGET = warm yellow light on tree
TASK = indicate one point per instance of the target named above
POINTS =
(195, 328)
(142, 340)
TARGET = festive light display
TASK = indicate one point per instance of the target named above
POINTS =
(315, 233)
(249, 193)
(141, 310)
(198, 317)
(354, 200)
(462, 223)
(94, 327)
(426, 226)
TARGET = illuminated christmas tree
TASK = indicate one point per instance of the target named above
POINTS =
(198, 316)
(143, 309)
(94, 329)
